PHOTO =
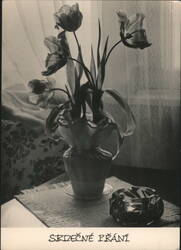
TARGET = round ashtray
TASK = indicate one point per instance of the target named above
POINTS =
(136, 206)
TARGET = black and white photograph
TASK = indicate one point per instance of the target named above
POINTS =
(90, 121)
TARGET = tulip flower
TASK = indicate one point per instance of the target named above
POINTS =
(41, 91)
(39, 86)
(132, 29)
(59, 51)
(68, 17)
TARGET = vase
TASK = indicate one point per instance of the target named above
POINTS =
(87, 171)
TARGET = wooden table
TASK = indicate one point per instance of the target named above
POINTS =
(14, 214)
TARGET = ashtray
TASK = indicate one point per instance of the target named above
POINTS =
(136, 206)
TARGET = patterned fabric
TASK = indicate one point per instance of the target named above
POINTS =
(28, 158)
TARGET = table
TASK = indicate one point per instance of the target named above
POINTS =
(14, 207)
(65, 214)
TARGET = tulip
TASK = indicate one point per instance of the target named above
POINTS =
(39, 86)
(59, 51)
(68, 17)
(41, 91)
(132, 28)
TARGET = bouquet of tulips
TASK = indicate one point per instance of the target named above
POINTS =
(70, 120)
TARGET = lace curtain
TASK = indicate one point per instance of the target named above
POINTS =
(149, 78)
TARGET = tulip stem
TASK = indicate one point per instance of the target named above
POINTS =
(112, 49)
(65, 91)
(60, 90)
(87, 72)
(76, 39)
(83, 65)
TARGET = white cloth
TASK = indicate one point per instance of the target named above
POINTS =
(17, 107)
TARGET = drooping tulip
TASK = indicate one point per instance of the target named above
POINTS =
(59, 51)
(41, 91)
(68, 17)
(39, 86)
(132, 29)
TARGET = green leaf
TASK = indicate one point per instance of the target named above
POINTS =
(98, 45)
(92, 65)
(131, 124)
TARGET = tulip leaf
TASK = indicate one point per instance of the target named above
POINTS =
(93, 66)
(77, 86)
(70, 95)
(105, 49)
(79, 67)
(101, 71)
(84, 67)
(85, 93)
(98, 45)
(77, 81)
(70, 71)
(131, 124)
(72, 77)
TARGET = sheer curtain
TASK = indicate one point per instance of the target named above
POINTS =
(149, 79)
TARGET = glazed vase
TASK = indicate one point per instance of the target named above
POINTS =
(87, 171)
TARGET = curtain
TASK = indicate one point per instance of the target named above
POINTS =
(25, 25)
(149, 79)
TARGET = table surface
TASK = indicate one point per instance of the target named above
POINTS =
(14, 214)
